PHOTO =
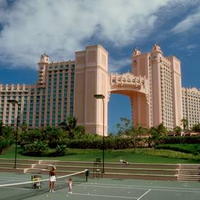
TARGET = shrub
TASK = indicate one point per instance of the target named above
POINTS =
(3, 144)
(186, 148)
(35, 149)
(60, 150)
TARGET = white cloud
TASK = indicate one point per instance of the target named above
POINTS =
(192, 49)
(192, 46)
(117, 65)
(188, 23)
(59, 28)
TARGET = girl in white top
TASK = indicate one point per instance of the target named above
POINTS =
(70, 183)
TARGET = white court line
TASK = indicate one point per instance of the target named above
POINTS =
(179, 189)
(6, 181)
(15, 188)
(15, 178)
(107, 196)
(11, 181)
(144, 194)
(164, 189)
(120, 187)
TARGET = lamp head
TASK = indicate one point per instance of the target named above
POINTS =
(99, 96)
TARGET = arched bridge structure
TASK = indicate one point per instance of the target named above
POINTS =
(135, 88)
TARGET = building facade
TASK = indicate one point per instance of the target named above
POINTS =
(163, 88)
(67, 88)
(191, 106)
(48, 103)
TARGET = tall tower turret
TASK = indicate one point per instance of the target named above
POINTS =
(91, 77)
(43, 63)
(155, 60)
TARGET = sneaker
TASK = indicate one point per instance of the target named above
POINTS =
(70, 192)
(50, 190)
(53, 190)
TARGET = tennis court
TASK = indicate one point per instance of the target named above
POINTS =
(103, 188)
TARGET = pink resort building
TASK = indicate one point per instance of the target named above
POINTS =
(81, 88)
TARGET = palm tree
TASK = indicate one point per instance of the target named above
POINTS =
(196, 127)
(161, 129)
(178, 130)
(124, 127)
(71, 127)
(6, 136)
(185, 124)
(23, 129)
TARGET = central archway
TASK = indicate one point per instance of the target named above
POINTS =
(134, 88)
(118, 106)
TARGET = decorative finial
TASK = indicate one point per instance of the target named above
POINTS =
(136, 52)
(44, 58)
(156, 48)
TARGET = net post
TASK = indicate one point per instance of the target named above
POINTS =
(87, 173)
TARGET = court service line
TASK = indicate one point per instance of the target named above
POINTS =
(144, 194)
(107, 186)
(15, 188)
(164, 189)
(8, 178)
(6, 181)
(105, 196)
(179, 189)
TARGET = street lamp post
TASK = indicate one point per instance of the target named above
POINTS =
(16, 136)
(101, 96)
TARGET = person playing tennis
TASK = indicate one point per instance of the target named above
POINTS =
(52, 179)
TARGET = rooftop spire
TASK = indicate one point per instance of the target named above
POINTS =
(156, 48)
(44, 58)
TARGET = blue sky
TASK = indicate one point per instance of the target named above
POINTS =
(59, 28)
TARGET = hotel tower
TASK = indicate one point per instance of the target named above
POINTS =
(67, 88)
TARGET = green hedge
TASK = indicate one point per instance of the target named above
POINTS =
(179, 140)
(186, 148)
(124, 143)
(109, 143)
(60, 147)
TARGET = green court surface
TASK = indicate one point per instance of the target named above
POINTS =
(107, 189)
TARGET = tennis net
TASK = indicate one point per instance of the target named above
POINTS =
(37, 186)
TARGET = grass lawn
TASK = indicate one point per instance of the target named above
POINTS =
(131, 155)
